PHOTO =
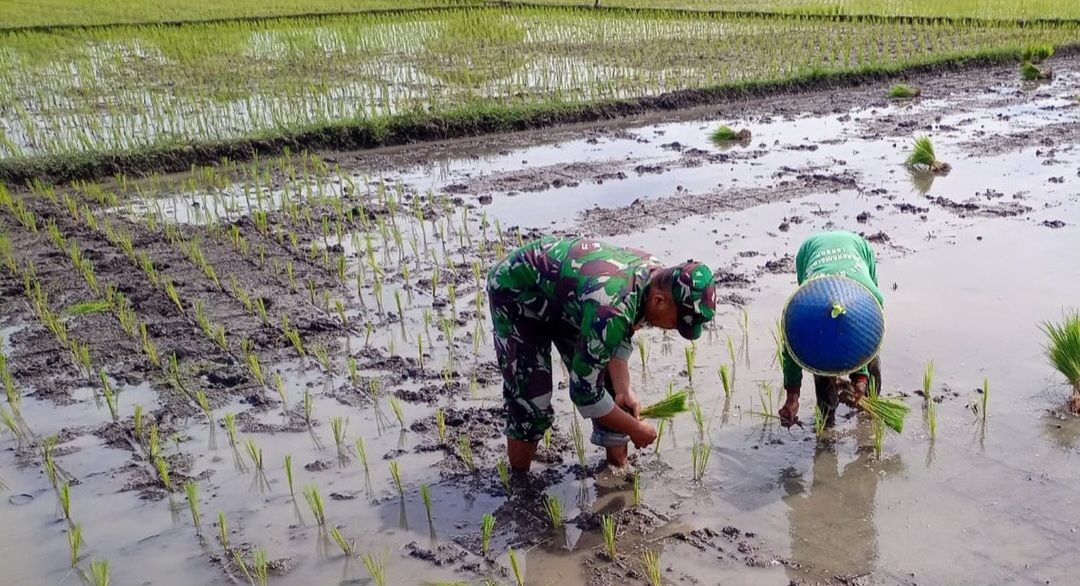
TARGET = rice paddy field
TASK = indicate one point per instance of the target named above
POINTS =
(237, 349)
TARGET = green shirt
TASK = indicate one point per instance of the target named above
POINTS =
(832, 253)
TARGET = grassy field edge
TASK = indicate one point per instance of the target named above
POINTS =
(471, 120)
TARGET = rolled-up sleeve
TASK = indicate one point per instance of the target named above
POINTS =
(605, 334)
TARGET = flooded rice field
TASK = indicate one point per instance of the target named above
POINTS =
(315, 302)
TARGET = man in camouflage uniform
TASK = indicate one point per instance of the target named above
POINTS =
(586, 298)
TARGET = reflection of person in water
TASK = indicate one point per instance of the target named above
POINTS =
(832, 524)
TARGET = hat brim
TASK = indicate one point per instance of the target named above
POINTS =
(690, 331)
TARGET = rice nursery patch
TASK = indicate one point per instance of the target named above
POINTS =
(132, 88)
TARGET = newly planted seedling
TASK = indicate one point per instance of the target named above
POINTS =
(638, 491)
(425, 495)
(347, 547)
(487, 529)
(699, 454)
(361, 452)
(75, 542)
(440, 424)
(99, 573)
(504, 474)
(376, 567)
(192, 491)
(578, 438)
(516, 567)
(466, 454)
(607, 527)
(395, 475)
(399, 413)
(315, 501)
(651, 562)
(554, 509)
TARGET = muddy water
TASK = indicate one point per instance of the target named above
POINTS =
(965, 287)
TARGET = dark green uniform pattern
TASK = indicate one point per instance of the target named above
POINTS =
(582, 296)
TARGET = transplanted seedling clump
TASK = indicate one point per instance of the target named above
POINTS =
(1063, 352)
(725, 136)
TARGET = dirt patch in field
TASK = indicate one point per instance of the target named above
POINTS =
(643, 214)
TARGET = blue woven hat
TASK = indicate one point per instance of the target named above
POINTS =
(833, 325)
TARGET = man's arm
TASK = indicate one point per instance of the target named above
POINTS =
(789, 412)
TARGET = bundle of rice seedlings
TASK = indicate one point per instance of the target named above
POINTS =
(725, 134)
(1063, 352)
(890, 412)
(1031, 72)
(902, 92)
(923, 158)
(667, 407)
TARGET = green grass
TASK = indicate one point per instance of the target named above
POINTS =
(1063, 352)
(374, 79)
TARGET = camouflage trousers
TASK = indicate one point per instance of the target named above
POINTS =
(523, 348)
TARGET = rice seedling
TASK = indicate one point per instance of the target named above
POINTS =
(361, 452)
(347, 547)
(651, 562)
(425, 496)
(819, 422)
(667, 407)
(337, 426)
(608, 529)
(192, 491)
(308, 407)
(643, 354)
(223, 530)
(204, 406)
(726, 135)
(487, 529)
(660, 427)
(516, 568)
(322, 356)
(554, 509)
(230, 428)
(440, 424)
(699, 455)
(466, 454)
(261, 565)
(578, 439)
(985, 396)
(99, 572)
(904, 92)
(923, 158)
(395, 475)
(283, 393)
(699, 417)
(153, 447)
(503, 470)
(289, 473)
(547, 439)
(162, 468)
(637, 489)
(725, 379)
(110, 396)
(65, 500)
(1063, 352)
(376, 567)
(255, 453)
(315, 502)
(399, 414)
(75, 542)
(10, 423)
(690, 353)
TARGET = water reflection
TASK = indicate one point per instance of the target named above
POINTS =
(831, 522)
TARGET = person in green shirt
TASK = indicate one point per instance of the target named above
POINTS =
(825, 254)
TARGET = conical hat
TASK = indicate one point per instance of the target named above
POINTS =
(833, 325)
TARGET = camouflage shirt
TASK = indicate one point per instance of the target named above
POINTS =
(591, 293)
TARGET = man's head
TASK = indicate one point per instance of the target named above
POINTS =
(681, 297)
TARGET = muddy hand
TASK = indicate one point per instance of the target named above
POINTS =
(644, 435)
(853, 393)
(789, 413)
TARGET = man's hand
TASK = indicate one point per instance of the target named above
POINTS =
(789, 413)
(644, 435)
(629, 403)
(859, 383)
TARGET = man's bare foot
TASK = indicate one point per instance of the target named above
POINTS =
(618, 456)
